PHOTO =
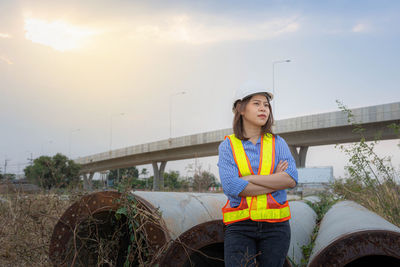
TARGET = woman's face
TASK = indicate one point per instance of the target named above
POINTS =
(256, 112)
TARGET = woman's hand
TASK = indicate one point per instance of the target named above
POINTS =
(246, 178)
(282, 166)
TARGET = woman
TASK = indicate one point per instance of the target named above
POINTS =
(255, 168)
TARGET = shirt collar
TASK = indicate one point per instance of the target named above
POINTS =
(258, 141)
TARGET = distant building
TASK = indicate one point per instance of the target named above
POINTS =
(314, 179)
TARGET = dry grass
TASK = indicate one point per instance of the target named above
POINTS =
(26, 226)
(113, 237)
(27, 222)
(383, 199)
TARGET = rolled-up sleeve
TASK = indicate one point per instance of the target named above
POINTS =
(232, 184)
(283, 153)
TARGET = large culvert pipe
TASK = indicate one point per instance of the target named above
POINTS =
(191, 220)
(203, 244)
(92, 219)
(182, 211)
(67, 250)
(351, 235)
(302, 225)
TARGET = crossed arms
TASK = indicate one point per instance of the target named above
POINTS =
(264, 184)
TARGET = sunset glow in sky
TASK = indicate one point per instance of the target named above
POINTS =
(58, 35)
(68, 65)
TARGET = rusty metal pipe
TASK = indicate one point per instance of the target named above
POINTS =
(179, 212)
(98, 206)
(351, 235)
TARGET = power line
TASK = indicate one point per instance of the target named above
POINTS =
(30, 159)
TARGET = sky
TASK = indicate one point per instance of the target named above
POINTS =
(81, 77)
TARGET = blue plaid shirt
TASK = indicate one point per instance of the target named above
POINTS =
(229, 173)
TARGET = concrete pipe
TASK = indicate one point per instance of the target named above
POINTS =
(203, 245)
(182, 211)
(194, 223)
(351, 235)
(190, 225)
(302, 225)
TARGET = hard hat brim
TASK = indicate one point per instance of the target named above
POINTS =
(269, 96)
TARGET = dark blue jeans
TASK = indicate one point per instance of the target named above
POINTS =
(250, 243)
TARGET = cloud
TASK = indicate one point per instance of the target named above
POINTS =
(360, 27)
(201, 30)
(5, 35)
(59, 35)
(6, 60)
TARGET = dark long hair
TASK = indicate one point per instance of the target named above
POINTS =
(238, 119)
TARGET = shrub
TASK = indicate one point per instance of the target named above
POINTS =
(371, 180)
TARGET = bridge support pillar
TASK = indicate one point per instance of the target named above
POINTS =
(299, 156)
(87, 180)
(158, 181)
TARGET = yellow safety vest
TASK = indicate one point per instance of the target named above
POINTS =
(261, 207)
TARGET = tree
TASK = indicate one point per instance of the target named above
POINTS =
(149, 182)
(173, 181)
(126, 178)
(144, 173)
(49, 172)
(8, 176)
(122, 173)
(203, 180)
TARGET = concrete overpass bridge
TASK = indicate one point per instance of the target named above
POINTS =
(299, 132)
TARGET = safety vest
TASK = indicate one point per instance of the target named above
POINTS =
(261, 207)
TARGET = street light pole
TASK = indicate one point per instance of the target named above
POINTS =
(170, 111)
(273, 79)
(111, 117)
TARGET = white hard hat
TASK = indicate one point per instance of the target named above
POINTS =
(249, 89)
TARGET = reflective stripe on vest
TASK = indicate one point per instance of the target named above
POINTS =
(261, 207)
